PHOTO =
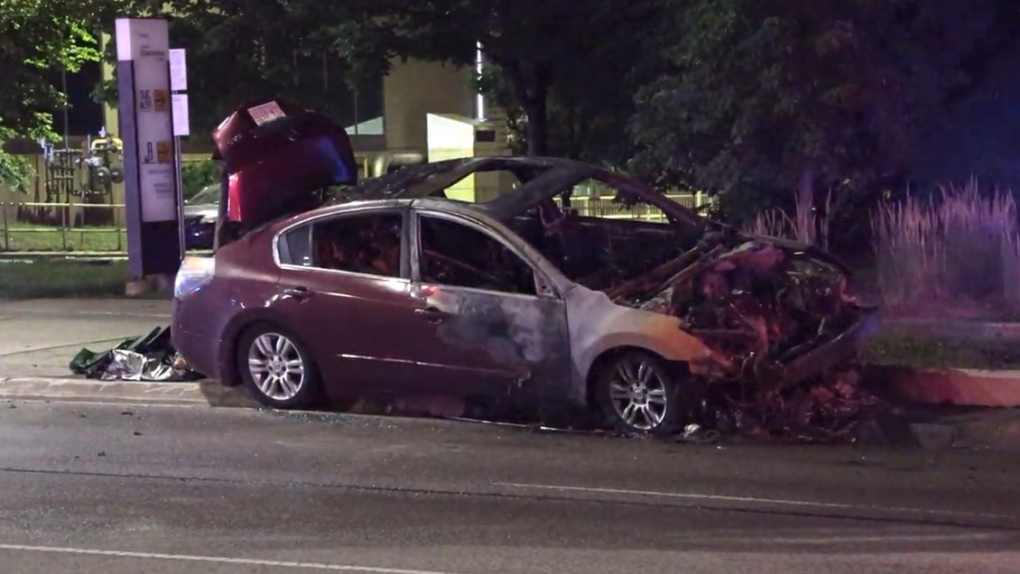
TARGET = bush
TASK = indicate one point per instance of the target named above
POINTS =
(16, 171)
(199, 174)
(958, 248)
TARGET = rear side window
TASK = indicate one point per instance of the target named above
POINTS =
(370, 244)
(295, 247)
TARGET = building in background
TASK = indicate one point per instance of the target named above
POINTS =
(422, 111)
(391, 127)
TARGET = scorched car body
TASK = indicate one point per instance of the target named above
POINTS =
(517, 298)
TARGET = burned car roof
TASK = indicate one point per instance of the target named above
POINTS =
(541, 178)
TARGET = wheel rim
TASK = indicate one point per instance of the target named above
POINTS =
(638, 393)
(276, 366)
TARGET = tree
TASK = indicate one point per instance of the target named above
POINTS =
(36, 38)
(240, 50)
(766, 96)
(575, 62)
(570, 49)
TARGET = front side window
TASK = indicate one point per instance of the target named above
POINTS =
(458, 255)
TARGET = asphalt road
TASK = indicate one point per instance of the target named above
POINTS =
(123, 489)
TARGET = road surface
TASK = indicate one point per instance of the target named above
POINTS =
(119, 489)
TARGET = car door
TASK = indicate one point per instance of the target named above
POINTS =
(489, 323)
(344, 286)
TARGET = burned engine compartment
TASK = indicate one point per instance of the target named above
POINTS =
(764, 310)
(752, 304)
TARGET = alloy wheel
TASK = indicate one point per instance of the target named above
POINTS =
(638, 393)
(276, 366)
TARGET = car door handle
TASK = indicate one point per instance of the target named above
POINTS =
(431, 314)
(298, 293)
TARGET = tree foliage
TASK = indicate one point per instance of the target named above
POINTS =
(572, 58)
(763, 96)
(38, 37)
(565, 70)
(240, 50)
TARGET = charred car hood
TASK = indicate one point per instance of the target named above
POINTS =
(277, 154)
(798, 247)
(789, 245)
(767, 309)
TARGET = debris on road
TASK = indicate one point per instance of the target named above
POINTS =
(148, 358)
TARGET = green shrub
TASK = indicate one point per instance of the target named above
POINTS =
(199, 174)
(16, 171)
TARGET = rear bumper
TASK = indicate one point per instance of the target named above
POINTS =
(198, 349)
(823, 357)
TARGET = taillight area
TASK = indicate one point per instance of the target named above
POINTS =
(195, 273)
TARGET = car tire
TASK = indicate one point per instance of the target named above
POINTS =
(636, 392)
(277, 368)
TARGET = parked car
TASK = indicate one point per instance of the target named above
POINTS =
(200, 214)
(396, 288)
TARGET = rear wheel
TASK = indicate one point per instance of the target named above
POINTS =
(636, 392)
(277, 368)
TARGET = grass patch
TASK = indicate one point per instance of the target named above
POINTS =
(62, 279)
(28, 237)
(944, 352)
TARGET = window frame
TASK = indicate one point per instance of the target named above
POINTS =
(544, 287)
(281, 244)
(620, 187)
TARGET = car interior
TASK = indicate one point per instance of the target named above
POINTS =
(596, 252)
(458, 255)
(360, 244)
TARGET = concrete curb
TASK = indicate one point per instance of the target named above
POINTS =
(959, 387)
(198, 393)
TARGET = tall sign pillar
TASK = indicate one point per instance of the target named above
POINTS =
(151, 194)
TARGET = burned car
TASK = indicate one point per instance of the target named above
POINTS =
(395, 288)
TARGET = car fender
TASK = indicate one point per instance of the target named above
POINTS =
(598, 325)
(232, 332)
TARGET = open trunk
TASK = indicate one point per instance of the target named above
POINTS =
(276, 156)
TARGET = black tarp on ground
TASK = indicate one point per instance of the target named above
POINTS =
(148, 358)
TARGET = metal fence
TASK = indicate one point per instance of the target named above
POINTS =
(45, 227)
(608, 207)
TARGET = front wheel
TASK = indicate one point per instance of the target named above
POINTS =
(637, 393)
(277, 368)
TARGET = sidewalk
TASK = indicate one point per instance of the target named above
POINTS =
(38, 338)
